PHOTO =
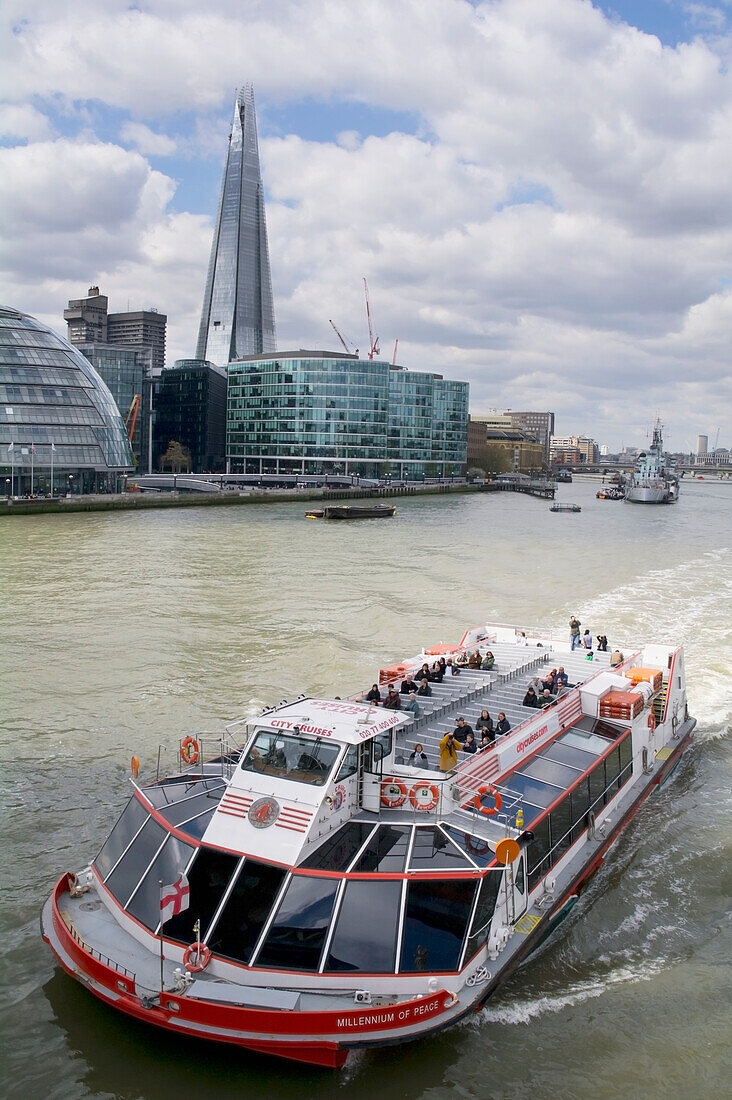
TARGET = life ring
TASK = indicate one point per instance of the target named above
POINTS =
(190, 750)
(393, 793)
(201, 953)
(475, 845)
(440, 650)
(651, 721)
(424, 796)
(489, 811)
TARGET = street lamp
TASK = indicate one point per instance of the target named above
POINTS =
(7, 487)
(71, 483)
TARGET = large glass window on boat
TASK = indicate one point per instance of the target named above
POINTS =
(133, 818)
(475, 847)
(435, 923)
(580, 805)
(288, 756)
(339, 850)
(208, 879)
(483, 914)
(296, 937)
(136, 860)
(537, 853)
(172, 858)
(349, 764)
(433, 851)
(560, 825)
(189, 808)
(386, 850)
(247, 908)
(366, 928)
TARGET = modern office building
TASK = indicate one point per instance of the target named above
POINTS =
(191, 410)
(126, 372)
(237, 318)
(142, 328)
(60, 428)
(319, 412)
(540, 425)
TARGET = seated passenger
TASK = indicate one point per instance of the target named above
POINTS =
(488, 662)
(502, 725)
(462, 659)
(373, 696)
(475, 659)
(485, 722)
(486, 741)
(461, 731)
(453, 668)
(408, 685)
(418, 758)
(443, 664)
(616, 658)
(550, 682)
(436, 673)
(470, 745)
(424, 672)
(546, 698)
(412, 706)
(392, 701)
(529, 699)
(424, 688)
(562, 677)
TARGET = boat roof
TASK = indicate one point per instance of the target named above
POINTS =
(345, 721)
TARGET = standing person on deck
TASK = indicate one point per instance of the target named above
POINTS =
(448, 752)
(574, 632)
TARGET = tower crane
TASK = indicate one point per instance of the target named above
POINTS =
(131, 418)
(338, 333)
(374, 348)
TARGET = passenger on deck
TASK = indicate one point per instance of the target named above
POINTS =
(545, 700)
(485, 722)
(412, 706)
(488, 662)
(424, 672)
(562, 677)
(602, 643)
(408, 685)
(503, 726)
(443, 664)
(521, 638)
(475, 659)
(549, 683)
(454, 670)
(373, 696)
(470, 745)
(587, 640)
(462, 659)
(449, 748)
(461, 731)
(537, 684)
(616, 658)
(574, 632)
(418, 758)
(392, 701)
(436, 673)
(424, 687)
(530, 699)
(486, 741)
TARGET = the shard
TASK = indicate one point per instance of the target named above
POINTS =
(238, 311)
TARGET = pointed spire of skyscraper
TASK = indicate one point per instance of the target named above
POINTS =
(238, 311)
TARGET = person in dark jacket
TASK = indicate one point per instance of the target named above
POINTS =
(485, 722)
(408, 685)
(418, 758)
(392, 701)
(470, 745)
(529, 699)
(373, 696)
(503, 726)
(461, 731)
(424, 687)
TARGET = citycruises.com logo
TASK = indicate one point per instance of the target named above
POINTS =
(264, 812)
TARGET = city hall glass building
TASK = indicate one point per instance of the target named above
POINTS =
(318, 412)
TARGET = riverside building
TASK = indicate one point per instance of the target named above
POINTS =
(320, 412)
(191, 409)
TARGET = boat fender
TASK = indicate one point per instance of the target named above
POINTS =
(489, 811)
(590, 826)
(196, 957)
(651, 721)
(647, 767)
(190, 750)
(424, 796)
(393, 793)
(135, 766)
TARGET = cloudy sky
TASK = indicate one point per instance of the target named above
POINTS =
(539, 191)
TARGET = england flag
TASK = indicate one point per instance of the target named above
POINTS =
(174, 898)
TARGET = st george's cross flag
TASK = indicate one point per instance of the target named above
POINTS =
(174, 898)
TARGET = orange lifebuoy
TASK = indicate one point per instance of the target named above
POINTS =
(393, 793)
(424, 796)
(201, 953)
(488, 810)
(651, 721)
(439, 650)
(190, 750)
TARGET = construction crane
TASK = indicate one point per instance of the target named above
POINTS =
(131, 418)
(346, 347)
(393, 358)
(373, 340)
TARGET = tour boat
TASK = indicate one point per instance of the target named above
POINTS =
(653, 480)
(299, 887)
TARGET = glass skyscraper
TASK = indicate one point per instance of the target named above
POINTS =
(238, 310)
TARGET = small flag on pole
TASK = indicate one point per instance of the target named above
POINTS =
(53, 446)
(174, 898)
(11, 447)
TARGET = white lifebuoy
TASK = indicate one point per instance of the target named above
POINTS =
(424, 796)
(393, 793)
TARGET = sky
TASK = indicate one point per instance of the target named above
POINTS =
(538, 191)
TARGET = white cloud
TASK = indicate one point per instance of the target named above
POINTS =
(24, 122)
(146, 141)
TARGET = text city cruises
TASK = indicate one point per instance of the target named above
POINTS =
(653, 480)
(320, 894)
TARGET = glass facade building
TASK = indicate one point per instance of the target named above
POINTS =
(238, 309)
(127, 373)
(55, 410)
(321, 412)
(191, 409)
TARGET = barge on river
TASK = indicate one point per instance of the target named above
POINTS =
(321, 895)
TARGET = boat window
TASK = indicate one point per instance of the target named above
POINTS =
(247, 908)
(295, 939)
(432, 851)
(533, 790)
(580, 806)
(519, 876)
(173, 858)
(208, 878)
(612, 771)
(382, 745)
(475, 847)
(538, 852)
(435, 923)
(130, 869)
(483, 912)
(385, 851)
(565, 754)
(349, 765)
(340, 848)
(288, 756)
(177, 790)
(560, 820)
(133, 818)
(365, 933)
(191, 807)
(588, 742)
(197, 827)
(561, 775)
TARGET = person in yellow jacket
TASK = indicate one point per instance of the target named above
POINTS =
(448, 752)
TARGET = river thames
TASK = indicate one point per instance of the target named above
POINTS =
(124, 632)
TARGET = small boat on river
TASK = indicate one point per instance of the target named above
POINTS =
(352, 511)
(298, 886)
(610, 492)
(559, 507)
